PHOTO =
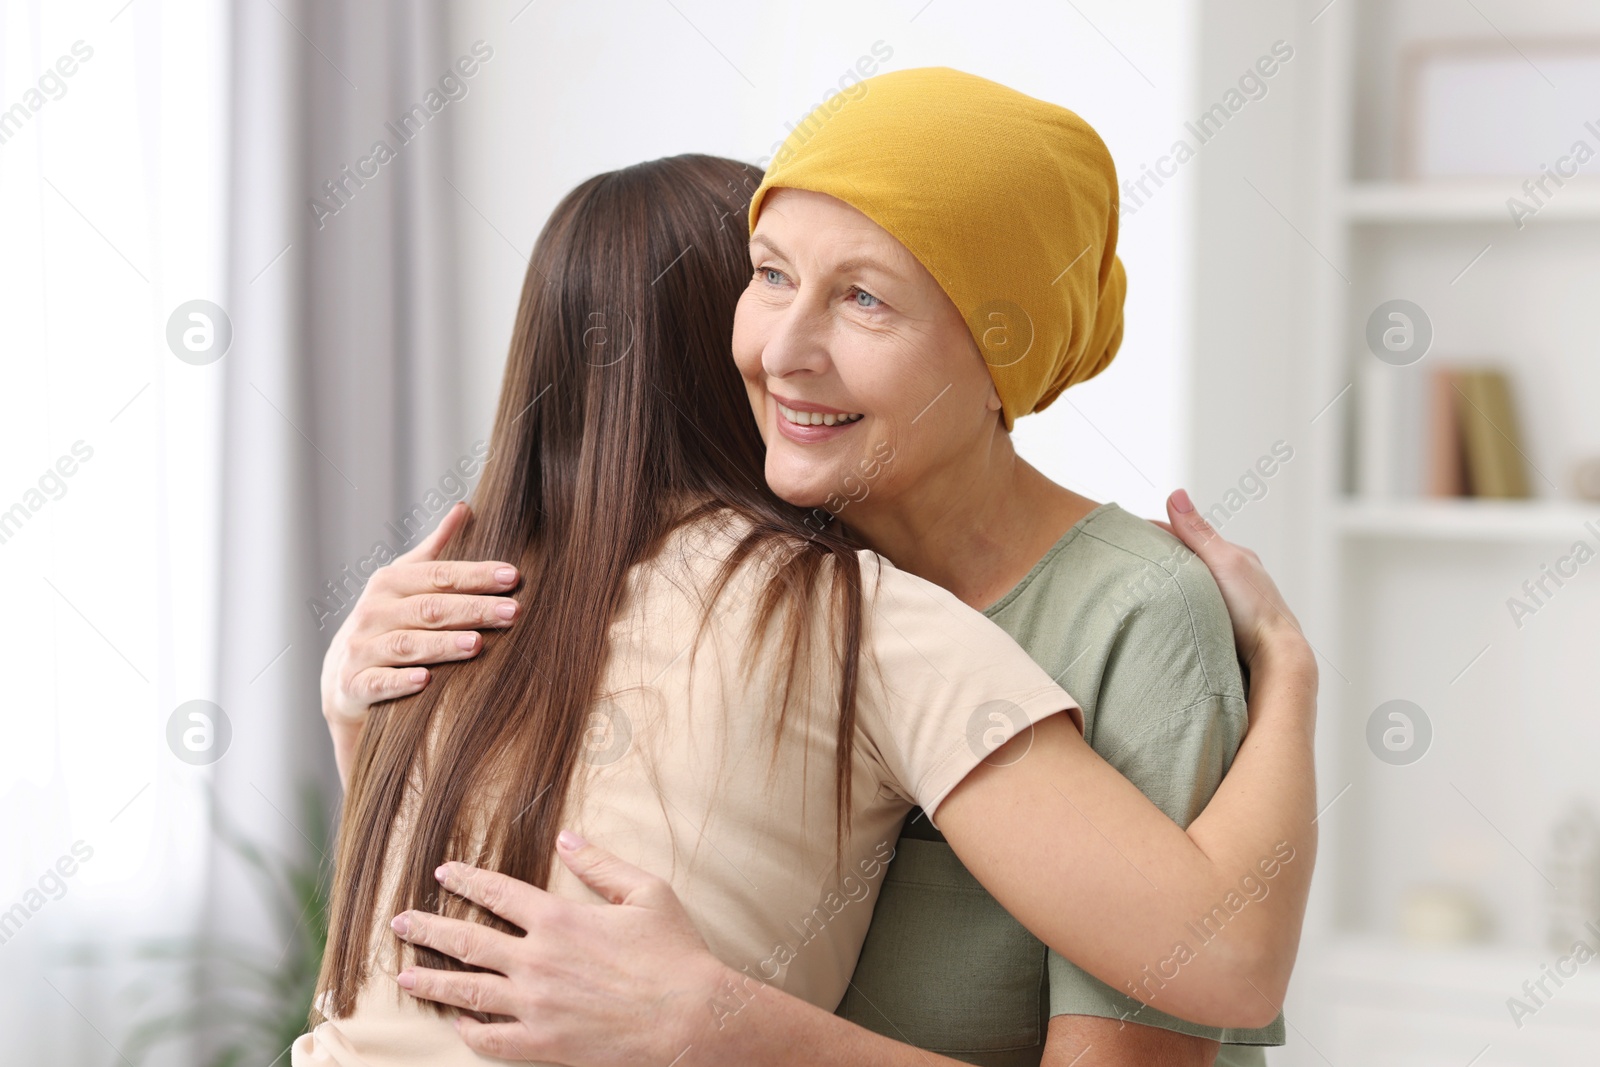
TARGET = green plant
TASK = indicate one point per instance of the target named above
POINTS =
(250, 1006)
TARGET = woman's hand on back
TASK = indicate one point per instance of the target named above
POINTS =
(416, 611)
(588, 985)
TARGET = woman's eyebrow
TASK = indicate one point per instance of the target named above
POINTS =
(854, 263)
(762, 239)
(861, 263)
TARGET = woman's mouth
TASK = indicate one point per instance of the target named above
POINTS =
(814, 418)
(810, 427)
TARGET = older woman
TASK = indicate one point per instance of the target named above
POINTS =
(934, 256)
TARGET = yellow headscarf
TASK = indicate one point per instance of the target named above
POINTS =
(1009, 202)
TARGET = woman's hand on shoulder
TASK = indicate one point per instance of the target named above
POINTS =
(415, 611)
(1263, 625)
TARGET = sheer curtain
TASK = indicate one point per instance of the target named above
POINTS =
(341, 399)
(221, 401)
(111, 195)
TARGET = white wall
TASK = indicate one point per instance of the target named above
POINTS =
(1251, 270)
(575, 89)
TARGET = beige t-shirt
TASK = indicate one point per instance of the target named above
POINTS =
(685, 774)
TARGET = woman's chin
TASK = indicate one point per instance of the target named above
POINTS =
(804, 488)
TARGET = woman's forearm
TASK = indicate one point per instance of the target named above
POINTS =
(1202, 924)
(776, 1029)
(1270, 793)
(346, 737)
(761, 1026)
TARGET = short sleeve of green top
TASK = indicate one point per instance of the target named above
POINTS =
(1130, 623)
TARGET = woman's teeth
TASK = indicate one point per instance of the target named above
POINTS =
(815, 418)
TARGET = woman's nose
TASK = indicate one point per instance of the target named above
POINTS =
(798, 342)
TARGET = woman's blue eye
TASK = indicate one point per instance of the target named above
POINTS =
(774, 276)
(865, 299)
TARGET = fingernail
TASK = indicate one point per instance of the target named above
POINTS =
(405, 980)
(508, 610)
(1181, 501)
(442, 873)
(570, 841)
(419, 675)
(505, 575)
(467, 641)
(401, 924)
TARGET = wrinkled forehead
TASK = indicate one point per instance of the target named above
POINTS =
(816, 228)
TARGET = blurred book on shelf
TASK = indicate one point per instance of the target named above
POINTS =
(1439, 431)
(1392, 430)
(1490, 439)
(1447, 467)
(1575, 864)
(1586, 478)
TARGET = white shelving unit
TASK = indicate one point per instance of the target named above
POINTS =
(1482, 521)
(1464, 201)
(1411, 597)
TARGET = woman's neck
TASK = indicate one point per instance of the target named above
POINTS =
(978, 531)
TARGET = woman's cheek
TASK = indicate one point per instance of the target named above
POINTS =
(758, 409)
(746, 353)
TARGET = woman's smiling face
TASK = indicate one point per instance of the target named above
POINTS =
(861, 373)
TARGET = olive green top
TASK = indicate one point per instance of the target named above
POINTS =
(1130, 623)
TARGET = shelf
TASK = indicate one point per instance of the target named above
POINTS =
(1409, 991)
(1470, 520)
(1382, 1003)
(1477, 201)
(1491, 968)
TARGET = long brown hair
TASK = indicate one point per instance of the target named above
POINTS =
(621, 417)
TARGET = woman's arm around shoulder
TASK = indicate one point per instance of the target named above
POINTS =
(1203, 924)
